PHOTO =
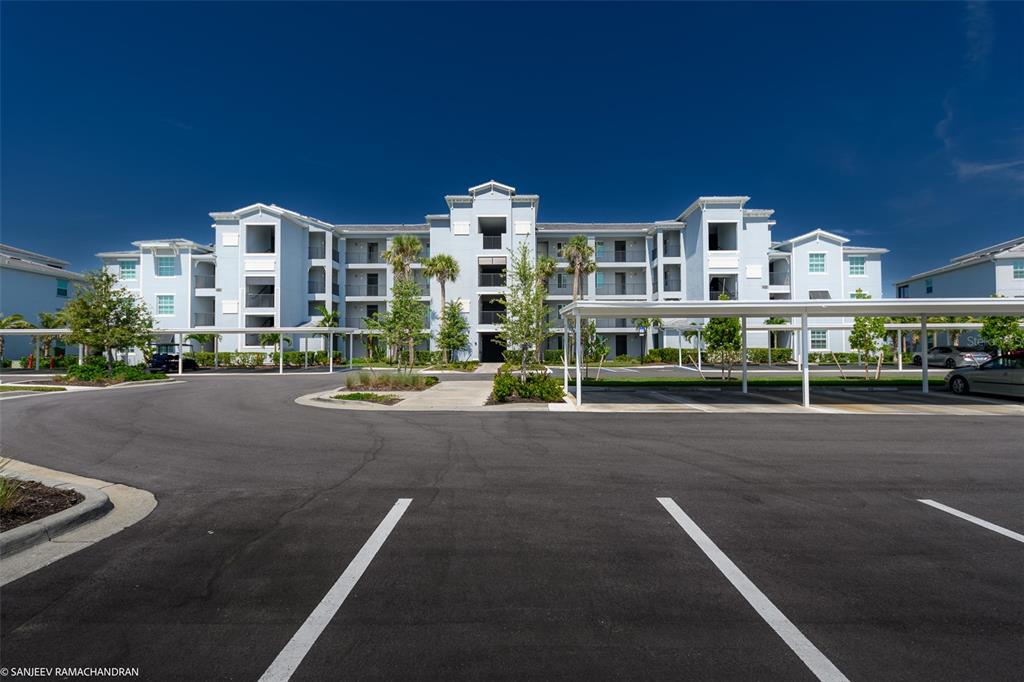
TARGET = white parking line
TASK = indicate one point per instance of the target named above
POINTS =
(822, 668)
(683, 401)
(302, 641)
(975, 520)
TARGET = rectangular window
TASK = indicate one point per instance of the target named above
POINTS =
(62, 288)
(903, 291)
(128, 270)
(816, 262)
(819, 339)
(1018, 269)
(560, 284)
(165, 304)
(165, 266)
(857, 266)
(600, 279)
(928, 286)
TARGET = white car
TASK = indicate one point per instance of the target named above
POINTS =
(949, 356)
(1003, 375)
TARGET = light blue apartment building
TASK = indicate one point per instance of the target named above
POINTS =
(31, 283)
(272, 267)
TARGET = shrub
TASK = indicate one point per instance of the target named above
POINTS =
(95, 369)
(760, 355)
(371, 380)
(552, 356)
(537, 386)
(653, 356)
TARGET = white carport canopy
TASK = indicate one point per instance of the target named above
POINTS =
(894, 307)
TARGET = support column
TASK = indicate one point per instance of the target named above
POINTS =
(699, 368)
(679, 341)
(899, 349)
(565, 355)
(351, 347)
(216, 347)
(924, 354)
(579, 375)
(330, 353)
(805, 369)
(280, 353)
(35, 353)
(743, 336)
(81, 354)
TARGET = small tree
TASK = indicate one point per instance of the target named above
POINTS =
(525, 320)
(1003, 333)
(201, 339)
(773, 336)
(46, 341)
(579, 255)
(723, 340)
(645, 325)
(105, 316)
(328, 318)
(401, 325)
(444, 268)
(453, 334)
(14, 321)
(595, 347)
(868, 337)
(271, 339)
(543, 271)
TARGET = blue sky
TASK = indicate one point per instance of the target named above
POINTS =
(898, 125)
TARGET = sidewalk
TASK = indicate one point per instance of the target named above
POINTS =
(448, 395)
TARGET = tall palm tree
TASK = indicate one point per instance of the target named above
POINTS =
(328, 318)
(14, 321)
(405, 250)
(580, 256)
(647, 324)
(201, 339)
(444, 268)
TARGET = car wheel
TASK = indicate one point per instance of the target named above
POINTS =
(951, 363)
(917, 360)
(958, 385)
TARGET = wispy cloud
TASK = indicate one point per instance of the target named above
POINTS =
(971, 169)
(980, 34)
(175, 123)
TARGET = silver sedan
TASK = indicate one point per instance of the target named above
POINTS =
(1003, 375)
(950, 356)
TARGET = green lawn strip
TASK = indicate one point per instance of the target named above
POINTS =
(22, 387)
(383, 398)
(760, 381)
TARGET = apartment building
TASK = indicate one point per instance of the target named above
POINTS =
(269, 266)
(31, 283)
(995, 270)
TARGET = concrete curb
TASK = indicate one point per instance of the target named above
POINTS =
(96, 503)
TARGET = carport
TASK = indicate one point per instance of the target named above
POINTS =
(574, 313)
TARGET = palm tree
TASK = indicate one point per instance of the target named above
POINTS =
(328, 318)
(49, 321)
(774, 335)
(271, 339)
(14, 321)
(444, 268)
(201, 339)
(405, 250)
(580, 256)
(645, 325)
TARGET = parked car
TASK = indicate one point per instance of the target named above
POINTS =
(1003, 375)
(168, 363)
(959, 356)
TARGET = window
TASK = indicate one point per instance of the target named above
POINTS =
(165, 304)
(857, 266)
(903, 291)
(1018, 269)
(560, 284)
(62, 288)
(816, 263)
(128, 270)
(928, 286)
(600, 279)
(819, 339)
(165, 266)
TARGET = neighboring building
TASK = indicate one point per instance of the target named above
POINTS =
(996, 270)
(271, 267)
(31, 283)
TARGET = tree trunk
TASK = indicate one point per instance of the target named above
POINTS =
(878, 367)
(444, 351)
(412, 353)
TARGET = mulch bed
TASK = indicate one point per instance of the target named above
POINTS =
(35, 501)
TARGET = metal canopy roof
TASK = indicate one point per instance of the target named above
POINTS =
(892, 307)
(64, 331)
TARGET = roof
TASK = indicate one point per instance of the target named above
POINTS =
(175, 243)
(27, 255)
(383, 227)
(639, 228)
(118, 254)
(273, 210)
(970, 259)
(864, 249)
(701, 202)
(14, 263)
(490, 186)
(818, 233)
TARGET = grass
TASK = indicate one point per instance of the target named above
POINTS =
(393, 381)
(460, 366)
(22, 387)
(760, 381)
(382, 398)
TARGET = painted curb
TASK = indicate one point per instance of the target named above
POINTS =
(95, 504)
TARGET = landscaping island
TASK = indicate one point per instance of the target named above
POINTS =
(22, 502)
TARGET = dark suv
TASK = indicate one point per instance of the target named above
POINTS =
(168, 363)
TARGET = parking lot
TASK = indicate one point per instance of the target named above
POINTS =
(703, 544)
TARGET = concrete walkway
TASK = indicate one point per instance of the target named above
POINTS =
(448, 395)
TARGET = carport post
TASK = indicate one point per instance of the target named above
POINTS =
(805, 369)
(679, 340)
(565, 356)
(181, 352)
(350, 347)
(280, 353)
(743, 323)
(81, 354)
(579, 351)
(924, 354)
(330, 353)
(698, 350)
(899, 349)
(216, 345)
(35, 353)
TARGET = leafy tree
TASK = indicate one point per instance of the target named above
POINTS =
(868, 336)
(524, 322)
(402, 323)
(444, 268)
(1003, 332)
(103, 315)
(14, 321)
(453, 334)
(954, 334)
(580, 256)
(595, 346)
(774, 334)
(723, 339)
(647, 324)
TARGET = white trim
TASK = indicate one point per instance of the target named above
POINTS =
(810, 343)
(824, 254)
(156, 266)
(156, 305)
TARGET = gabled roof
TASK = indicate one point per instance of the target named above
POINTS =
(490, 186)
(176, 243)
(990, 251)
(271, 209)
(638, 228)
(15, 263)
(969, 259)
(32, 256)
(821, 234)
(701, 202)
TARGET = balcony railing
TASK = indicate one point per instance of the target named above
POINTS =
(673, 285)
(778, 279)
(317, 251)
(492, 279)
(363, 257)
(621, 289)
(620, 255)
(316, 286)
(491, 316)
(203, 319)
(364, 290)
(671, 250)
(205, 281)
(492, 241)
(259, 301)
(713, 294)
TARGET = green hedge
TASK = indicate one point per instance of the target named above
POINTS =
(537, 386)
(95, 369)
(295, 358)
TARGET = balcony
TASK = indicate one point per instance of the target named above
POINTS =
(492, 279)
(364, 290)
(364, 257)
(778, 279)
(204, 281)
(621, 290)
(317, 251)
(203, 319)
(671, 250)
(491, 316)
(492, 241)
(259, 301)
(316, 286)
(673, 285)
(620, 255)
(715, 292)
